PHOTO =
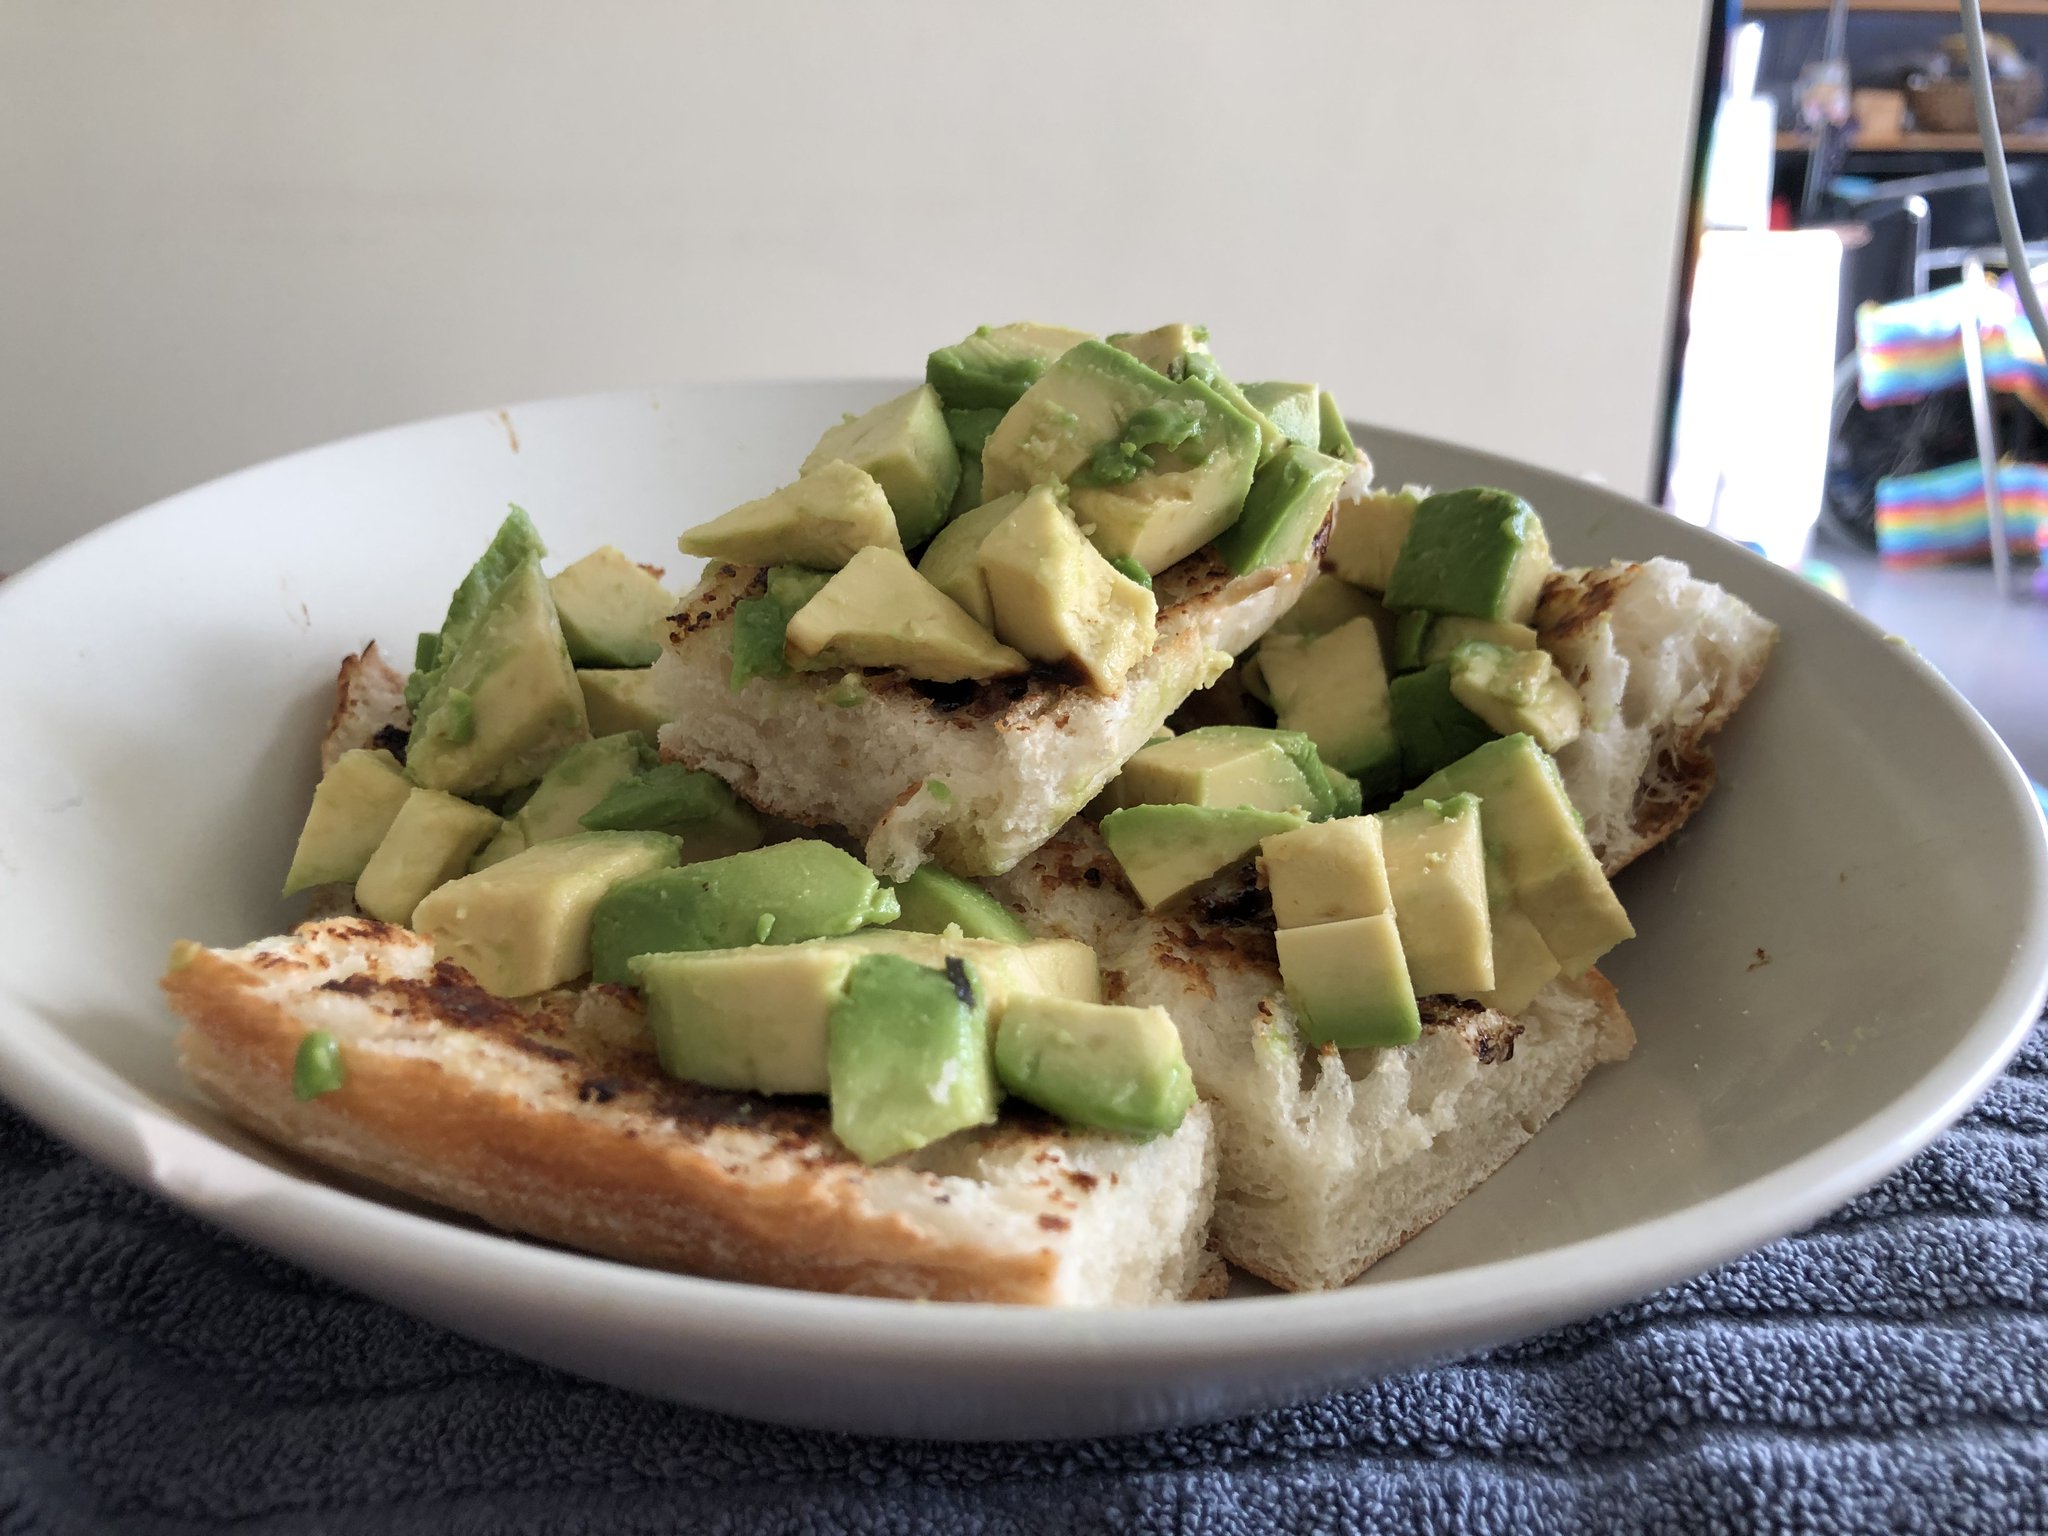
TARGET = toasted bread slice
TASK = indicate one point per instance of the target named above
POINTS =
(552, 1118)
(1662, 660)
(972, 775)
(1327, 1160)
(369, 698)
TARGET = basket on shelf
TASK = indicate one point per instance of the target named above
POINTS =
(1939, 96)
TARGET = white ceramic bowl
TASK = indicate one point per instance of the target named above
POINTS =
(162, 683)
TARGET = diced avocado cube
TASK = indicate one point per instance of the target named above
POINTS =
(1449, 631)
(1329, 872)
(1551, 870)
(1039, 968)
(1156, 468)
(516, 544)
(574, 782)
(1514, 690)
(1058, 601)
(908, 1057)
(819, 520)
(1367, 536)
(623, 699)
(904, 444)
(1296, 409)
(931, 901)
(753, 1020)
(1181, 351)
(994, 366)
(507, 703)
(430, 843)
(687, 803)
(878, 612)
(1121, 1069)
(952, 561)
(1227, 766)
(1333, 688)
(1436, 869)
(1522, 963)
(611, 610)
(1348, 982)
(1325, 603)
(1167, 850)
(782, 894)
(760, 624)
(353, 807)
(1477, 552)
(1335, 432)
(523, 926)
(1289, 502)
(1433, 728)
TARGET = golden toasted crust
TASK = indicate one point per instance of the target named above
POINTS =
(556, 1122)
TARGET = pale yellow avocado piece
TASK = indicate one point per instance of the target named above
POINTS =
(1327, 603)
(1326, 872)
(1333, 688)
(1436, 869)
(353, 807)
(1057, 600)
(431, 841)
(1449, 631)
(1366, 538)
(624, 700)
(1517, 691)
(754, 1019)
(878, 612)
(523, 925)
(1522, 963)
(611, 610)
(904, 444)
(1348, 982)
(1214, 767)
(952, 561)
(821, 520)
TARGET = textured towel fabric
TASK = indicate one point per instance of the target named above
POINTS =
(1886, 1371)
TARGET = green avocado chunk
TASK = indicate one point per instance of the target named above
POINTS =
(1348, 982)
(819, 520)
(318, 1067)
(524, 924)
(970, 429)
(1289, 502)
(904, 444)
(507, 703)
(1479, 552)
(1118, 1068)
(1333, 688)
(760, 625)
(1516, 690)
(1228, 766)
(1336, 435)
(430, 843)
(1434, 729)
(515, 544)
(687, 803)
(932, 900)
(752, 1020)
(1167, 850)
(574, 782)
(353, 807)
(952, 561)
(1294, 408)
(1411, 637)
(782, 894)
(908, 1058)
(611, 610)
(994, 366)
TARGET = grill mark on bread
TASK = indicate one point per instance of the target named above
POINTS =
(1489, 1036)
(1571, 605)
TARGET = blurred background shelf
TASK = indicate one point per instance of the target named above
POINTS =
(1917, 7)
(2029, 142)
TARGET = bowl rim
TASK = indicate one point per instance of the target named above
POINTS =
(316, 1222)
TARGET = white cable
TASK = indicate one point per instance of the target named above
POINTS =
(1994, 162)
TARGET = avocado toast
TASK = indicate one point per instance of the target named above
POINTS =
(930, 901)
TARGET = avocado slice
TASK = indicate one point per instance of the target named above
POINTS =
(623, 699)
(1552, 872)
(1328, 872)
(1333, 688)
(783, 894)
(1433, 727)
(1296, 409)
(1058, 601)
(878, 612)
(524, 925)
(1117, 1068)
(612, 611)
(1348, 982)
(931, 901)
(353, 807)
(904, 444)
(1335, 431)
(508, 702)
(760, 624)
(515, 545)
(994, 366)
(748, 1020)
(1288, 504)
(952, 561)
(1225, 766)
(1367, 536)
(1181, 351)
(1436, 870)
(1326, 602)
(574, 782)
(430, 843)
(1167, 850)
(908, 1056)
(1478, 552)
(1522, 963)
(687, 803)
(1517, 690)
(820, 520)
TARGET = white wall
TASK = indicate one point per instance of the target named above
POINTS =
(229, 228)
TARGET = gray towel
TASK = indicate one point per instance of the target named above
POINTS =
(1886, 1371)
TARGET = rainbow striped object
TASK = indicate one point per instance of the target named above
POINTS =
(1938, 515)
(1911, 349)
